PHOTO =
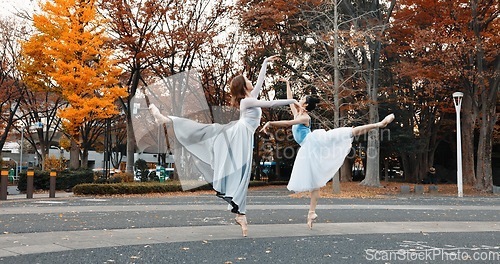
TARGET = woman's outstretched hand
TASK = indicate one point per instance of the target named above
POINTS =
(265, 128)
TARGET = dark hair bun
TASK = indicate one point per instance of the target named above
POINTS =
(311, 103)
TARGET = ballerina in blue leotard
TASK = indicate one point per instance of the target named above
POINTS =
(321, 152)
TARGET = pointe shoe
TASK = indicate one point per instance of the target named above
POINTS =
(388, 119)
(159, 118)
(242, 221)
(311, 217)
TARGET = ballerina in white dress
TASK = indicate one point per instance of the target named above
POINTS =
(321, 152)
(223, 152)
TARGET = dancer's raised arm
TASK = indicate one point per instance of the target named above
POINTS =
(289, 95)
(159, 118)
(252, 102)
(286, 123)
(262, 75)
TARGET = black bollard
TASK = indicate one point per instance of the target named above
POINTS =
(52, 193)
(3, 184)
(29, 187)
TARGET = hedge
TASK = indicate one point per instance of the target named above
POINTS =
(140, 188)
(130, 188)
(65, 180)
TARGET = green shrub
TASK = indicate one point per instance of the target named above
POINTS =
(70, 178)
(65, 180)
(125, 188)
(41, 181)
(141, 187)
(141, 167)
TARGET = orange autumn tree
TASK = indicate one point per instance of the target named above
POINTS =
(69, 55)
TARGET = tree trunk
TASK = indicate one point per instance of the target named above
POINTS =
(346, 171)
(336, 183)
(468, 125)
(488, 96)
(423, 166)
(44, 154)
(410, 167)
(372, 177)
(406, 166)
(484, 171)
(373, 149)
(85, 159)
(130, 145)
(74, 155)
(116, 159)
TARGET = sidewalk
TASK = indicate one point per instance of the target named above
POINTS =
(14, 194)
(36, 243)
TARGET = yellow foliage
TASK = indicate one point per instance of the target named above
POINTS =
(65, 143)
(68, 56)
(124, 176)
(53, 163)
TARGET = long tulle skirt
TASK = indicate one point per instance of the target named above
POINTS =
(222, 154)
(319, 158)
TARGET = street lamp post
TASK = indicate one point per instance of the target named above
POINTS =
(457, 101)
(21, 151)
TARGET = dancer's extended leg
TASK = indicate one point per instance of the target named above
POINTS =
(311, 216)
(360, 130)
(241, 220)
(314, 200)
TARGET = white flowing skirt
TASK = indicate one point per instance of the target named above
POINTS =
(222, 154)
(320, 156)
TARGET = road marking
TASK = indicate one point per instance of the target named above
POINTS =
(95, 200)
(49, 202)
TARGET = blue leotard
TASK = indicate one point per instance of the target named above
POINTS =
(300, 131)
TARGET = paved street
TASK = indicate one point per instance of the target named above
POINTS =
(198, 229)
